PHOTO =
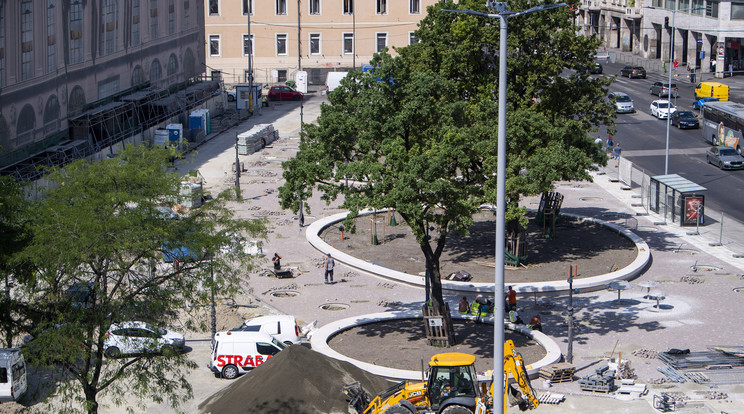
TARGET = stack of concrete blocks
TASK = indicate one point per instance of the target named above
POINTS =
(603, 380)
(256, 138)
(191, 194)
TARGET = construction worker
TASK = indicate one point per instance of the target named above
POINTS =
(535, 323)
(512, 298)
(514, 318)
(463, 306)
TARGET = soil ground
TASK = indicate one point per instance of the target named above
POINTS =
(594, 249)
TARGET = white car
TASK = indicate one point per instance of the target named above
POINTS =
(282, 327)
(128, 338)
(661, 108)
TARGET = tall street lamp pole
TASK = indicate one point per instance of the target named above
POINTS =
(499, 378)
(669, 90)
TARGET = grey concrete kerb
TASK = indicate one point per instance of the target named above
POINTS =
(634, 269)
(321, 336)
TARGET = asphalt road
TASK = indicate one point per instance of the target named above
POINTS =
(643, 140)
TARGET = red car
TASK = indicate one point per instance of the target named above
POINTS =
(284, 93)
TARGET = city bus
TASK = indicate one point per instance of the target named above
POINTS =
(723, 123)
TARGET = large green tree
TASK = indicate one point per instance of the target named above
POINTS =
(100, 231)
(418, 133)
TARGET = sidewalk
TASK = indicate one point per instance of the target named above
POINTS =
(692, 315)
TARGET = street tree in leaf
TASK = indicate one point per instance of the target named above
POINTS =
(100, 236)
(418, 133)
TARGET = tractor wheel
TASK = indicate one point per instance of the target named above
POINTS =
(230, 372)
(398, 409)
(456, 409)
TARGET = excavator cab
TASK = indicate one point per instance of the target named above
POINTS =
(452, 381)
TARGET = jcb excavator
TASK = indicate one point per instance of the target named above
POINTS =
(451, 388)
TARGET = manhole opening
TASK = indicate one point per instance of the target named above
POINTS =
(686, 251)
(739, 289)
(647, 228)
(334, 306)
(590, 198)
(285, 294)
(707, 268)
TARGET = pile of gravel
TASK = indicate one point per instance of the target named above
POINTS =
(296, 380)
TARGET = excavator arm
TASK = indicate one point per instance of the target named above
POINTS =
(514, 365)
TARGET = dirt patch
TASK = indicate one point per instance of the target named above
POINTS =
(295, 381)
(594, 249)
(402, 344)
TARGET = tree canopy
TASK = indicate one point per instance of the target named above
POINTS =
(418, 132)
(101, 228)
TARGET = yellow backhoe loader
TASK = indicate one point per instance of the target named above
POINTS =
(451, 388)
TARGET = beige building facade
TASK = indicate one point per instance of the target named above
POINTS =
(333, 35)
(65, 64)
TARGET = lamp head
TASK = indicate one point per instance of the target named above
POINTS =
(499, 6)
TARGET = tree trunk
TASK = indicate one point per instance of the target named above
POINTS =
(90, 399)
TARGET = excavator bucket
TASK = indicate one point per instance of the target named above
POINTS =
(357, 397)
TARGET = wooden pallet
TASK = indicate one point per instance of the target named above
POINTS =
(551, 398)
(558, 372)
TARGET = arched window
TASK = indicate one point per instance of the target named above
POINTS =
(156, 72)
(51, 110)
(138, 76)
(189, 64)
(172, 65)
(26, 120)
(77, 99)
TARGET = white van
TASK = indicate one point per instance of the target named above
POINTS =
(13, 382)
(333, 80)
(282, 327)
(235, 353)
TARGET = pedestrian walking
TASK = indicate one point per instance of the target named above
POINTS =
(277, 260)
(692, 75)
(675, 63)
(663, 66)
(610, 143)
(616, 151)
(329, 263)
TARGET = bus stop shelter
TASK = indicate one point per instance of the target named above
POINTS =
(678, 199)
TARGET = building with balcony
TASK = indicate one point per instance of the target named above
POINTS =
(77, 76)
(322, 36)
(704, 34)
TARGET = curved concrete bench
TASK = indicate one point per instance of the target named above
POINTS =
(584, 284)
(320, 337)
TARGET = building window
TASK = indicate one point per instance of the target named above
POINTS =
(381, 6)
(108, 87)
(711, 9)
(248, 45)
(76, 31)
(737, 11)
(108, 28)
(412, 38)
(348, 6)
(51, 36)
(281, 7)
(314, 6)
(214, 45)
(247, 7)
(348, 43)
(153, 19)
(156, 72)
(281, 44)
(2, 44)
(414, 6)
(314, 43)
(171, 17)
(214, 7)
(381, 42)
(281, 75)
(135, 22)
(27, 40)
(186, 19)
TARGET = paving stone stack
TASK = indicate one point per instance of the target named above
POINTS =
(603, 380)
(256, 138)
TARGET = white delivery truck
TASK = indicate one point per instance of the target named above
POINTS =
(282, 327)
(333, 80)
(13, 382)
(235, 352)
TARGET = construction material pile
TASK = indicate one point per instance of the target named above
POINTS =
(558, 372)
(256, 138)
(603, 380)
(297, 381)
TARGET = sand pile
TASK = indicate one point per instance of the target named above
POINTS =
(297, 381)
